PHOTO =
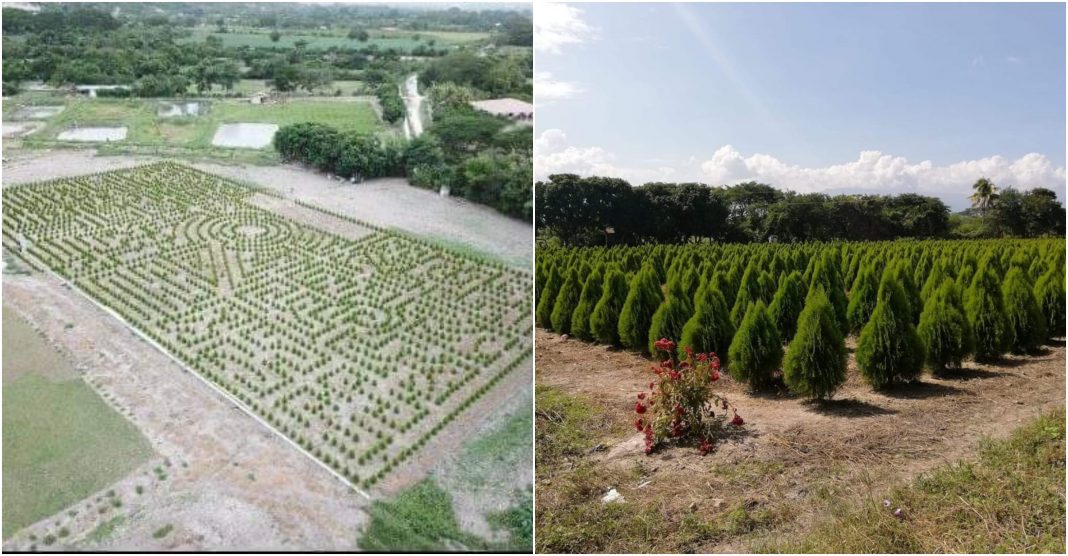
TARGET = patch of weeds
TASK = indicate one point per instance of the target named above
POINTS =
(1010, 500)
(163, 531)
(567, 427)
(63, 532)
(139, 489)
(518, 521)
(251, 476)
(419, 519)
(49, 539)
(106, 529)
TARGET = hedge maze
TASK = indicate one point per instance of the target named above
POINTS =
(359, 350)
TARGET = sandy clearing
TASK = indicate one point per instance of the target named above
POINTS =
(310, 217)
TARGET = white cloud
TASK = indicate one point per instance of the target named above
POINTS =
(558, 25)
(872, 171)
(548, 89)
(1013, 59)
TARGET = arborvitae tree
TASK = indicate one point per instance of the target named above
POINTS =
(548, 297)
(944, 331)
(566, 301)
(787, 305)
(934, 281)
(1049, 292)
(710, 328)
(825, 273)
(889, 350)
(748, 293)
(768, 287)
(604, 320)
(636, 316)
(540, 276)
(984, 307)
(689, 281)
(671, 316)
(902, 274)
(862, 298)
(591, 293)
(815, 364)
(1027, 326)
(756, 350)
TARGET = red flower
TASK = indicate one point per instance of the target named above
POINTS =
(702, 357)
(664, 344)
(705, 447)
(639, 424)
(674, 375)
(651, 385)
(715, 375)
(689, 351)
(641, 395)
(737, 421)
(639, 408)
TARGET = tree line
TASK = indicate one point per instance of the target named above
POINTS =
(598, 210)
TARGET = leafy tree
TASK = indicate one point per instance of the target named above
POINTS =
(889, 350)
(943, 328)
(275, 35)
(756, 350)
(815, 363)
(1027, 326)
(984, 195)
(604, 320)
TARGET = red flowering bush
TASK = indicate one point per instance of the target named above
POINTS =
(681, 405)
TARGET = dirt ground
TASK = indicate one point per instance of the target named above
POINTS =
(387, 202)
(858, 444)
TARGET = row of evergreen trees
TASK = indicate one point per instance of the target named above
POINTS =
(911, 304)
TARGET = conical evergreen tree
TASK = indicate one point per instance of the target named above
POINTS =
(566, 301)
(591, 294)
(934, 281)
(984, 307)
(825, 273)
(943, 329)
(1027, 326)
(748, 293)
(889, 350)
(710, 328)
(815, 363)
(604, 320)
(544, 310)
(787, 305)
(1049, 291)
(636, 316)
(862, 298)
(671, 316)
(756, 349)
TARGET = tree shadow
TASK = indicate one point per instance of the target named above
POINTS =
(850, 408)
(919, 390)
(1054, 342)
(966, 373)
(1006, 363)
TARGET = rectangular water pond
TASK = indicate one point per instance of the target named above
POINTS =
(244, 136)
(94, 134)
(179, 109)
(37, 112)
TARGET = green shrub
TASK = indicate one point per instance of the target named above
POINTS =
(591, 293)
(862, 298)
(943, 329)
(748, 293)
(825, 273)
(1027, 326)
(544, 311)
(671, 316)
(636, 316)
(815, 363)
(756, 351)
(710, 328)
(566, 301)
(604, 320)
(1049, 291)
(787, 305)
(889, 350)
(984, 307)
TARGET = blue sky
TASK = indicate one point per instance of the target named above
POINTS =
(819, 97)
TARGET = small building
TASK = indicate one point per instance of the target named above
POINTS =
(513, 109)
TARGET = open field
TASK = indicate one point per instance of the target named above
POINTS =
(149, 132)
(204, 274)
(795, 464)
(383, 39)
(62, 442)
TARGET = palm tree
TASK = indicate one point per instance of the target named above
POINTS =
(985, 195)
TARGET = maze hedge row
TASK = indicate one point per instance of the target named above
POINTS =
(358, 343)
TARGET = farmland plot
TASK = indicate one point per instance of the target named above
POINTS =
(358, 350)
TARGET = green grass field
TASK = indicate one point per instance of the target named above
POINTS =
(401, 40)
(61, 441)
(147, 133)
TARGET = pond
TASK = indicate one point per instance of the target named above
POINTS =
(93, 134)
(37, 112)
(178, 109)
(246, 136)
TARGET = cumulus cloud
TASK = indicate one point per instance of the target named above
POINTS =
(871, 172)
(548, 89)
(558, 25)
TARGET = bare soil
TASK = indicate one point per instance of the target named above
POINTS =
(857, 444)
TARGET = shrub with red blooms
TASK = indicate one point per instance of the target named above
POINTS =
(681, 405)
